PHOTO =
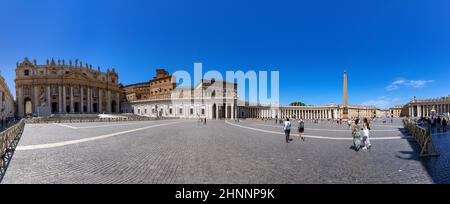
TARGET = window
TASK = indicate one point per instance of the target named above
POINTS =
(181, 111)
(145, 111)
(191, 111)
(27, 91)
(26, 72)
(203, 111)
(170, 111)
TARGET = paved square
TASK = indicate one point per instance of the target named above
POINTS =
(184, 151)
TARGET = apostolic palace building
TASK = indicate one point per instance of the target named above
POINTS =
(7, 105)
(70, 87)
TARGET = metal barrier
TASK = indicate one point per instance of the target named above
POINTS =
(7, 138)
(422, 135)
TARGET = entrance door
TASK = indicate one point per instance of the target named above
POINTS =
(95, 108)
(54, 107)
(76, 107)
(214, 111)
(28, 107)
(113, 106)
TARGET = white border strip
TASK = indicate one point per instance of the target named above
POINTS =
(330, 130)
(97, 126)
(313, 136)
(71, 142)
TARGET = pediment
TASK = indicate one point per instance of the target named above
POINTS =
(76, 75)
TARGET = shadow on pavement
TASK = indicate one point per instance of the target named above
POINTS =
(437, 167)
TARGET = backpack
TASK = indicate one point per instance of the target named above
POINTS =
(288, 126)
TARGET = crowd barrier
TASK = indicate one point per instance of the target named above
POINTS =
(7, 138)
(422, 135)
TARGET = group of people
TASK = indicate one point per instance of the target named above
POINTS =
(361, 139)
(287, 129)
(201, 120)
(360, 134)
(433, 123)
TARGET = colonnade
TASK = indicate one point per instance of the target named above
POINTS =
(427, 109)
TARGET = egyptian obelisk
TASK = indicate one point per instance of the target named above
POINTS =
(345, 102)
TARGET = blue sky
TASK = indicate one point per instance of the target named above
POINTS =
(392, 50)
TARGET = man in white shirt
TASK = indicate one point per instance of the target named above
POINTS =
(287, 130)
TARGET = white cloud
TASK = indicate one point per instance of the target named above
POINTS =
(382, 102)
(408, 83)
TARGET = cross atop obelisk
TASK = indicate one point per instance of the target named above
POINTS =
(345, 102)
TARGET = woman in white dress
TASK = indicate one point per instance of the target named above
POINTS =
(365, 134)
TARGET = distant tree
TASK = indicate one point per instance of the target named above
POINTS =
(297, 104)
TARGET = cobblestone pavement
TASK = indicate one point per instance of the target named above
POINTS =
(219, 152)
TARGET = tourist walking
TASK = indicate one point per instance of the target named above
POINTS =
(356, 134)
(349, 122)
(438, 123)
(444, 125)
(365, 134)
(287, 130)
(301, 128)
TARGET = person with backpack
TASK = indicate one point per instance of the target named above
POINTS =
(301, 128)
(365, 134)
(356, 134)
(287, 130)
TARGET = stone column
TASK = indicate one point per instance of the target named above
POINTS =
(60, 105)
(217, 112)
(118, 103)
(49, 98)
(91, 103)
(20, 101)
(232, 111)
(88, 100)
(36, 99)
(108, 101)
(64, 101)
(71, 100)
(100, 96)
(81, 100)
